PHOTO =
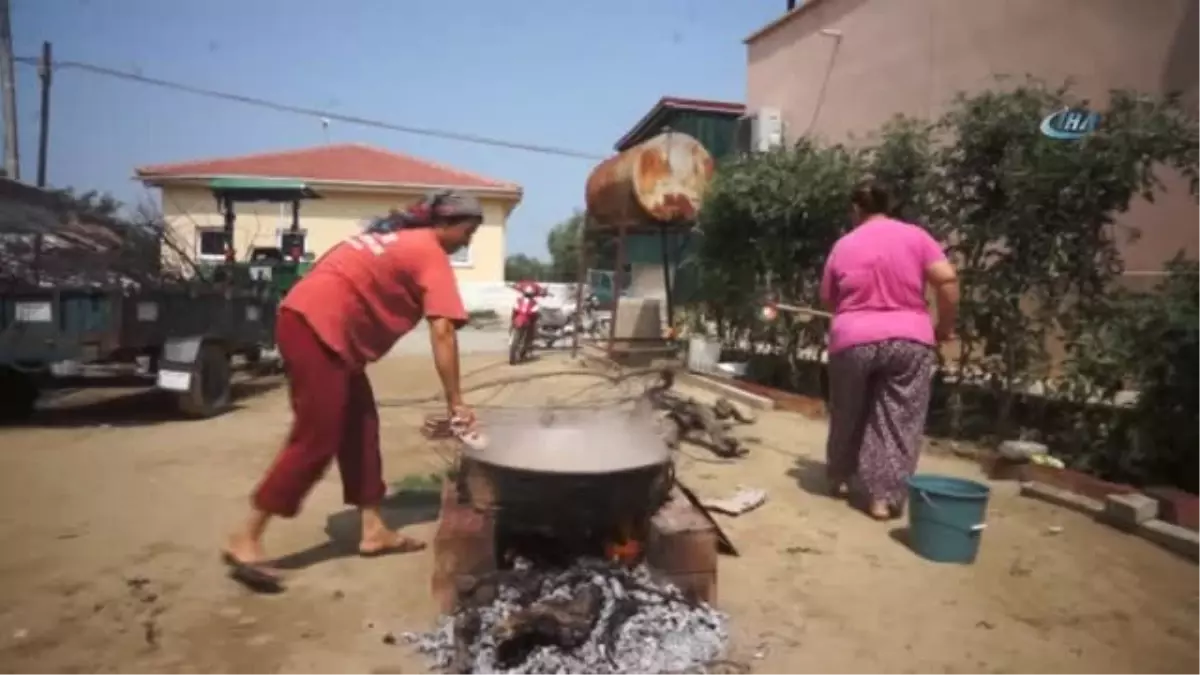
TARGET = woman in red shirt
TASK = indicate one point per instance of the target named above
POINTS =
(348, 311)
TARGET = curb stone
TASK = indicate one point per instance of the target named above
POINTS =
(1174, 538)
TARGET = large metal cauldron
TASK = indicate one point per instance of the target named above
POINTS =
(576, 471)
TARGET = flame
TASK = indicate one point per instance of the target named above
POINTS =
(624, 548)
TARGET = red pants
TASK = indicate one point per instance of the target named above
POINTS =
(333, 415)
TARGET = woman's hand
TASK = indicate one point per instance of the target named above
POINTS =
(465, 426)
(462, 415)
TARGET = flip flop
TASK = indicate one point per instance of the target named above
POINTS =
(405, 545)
(252, 576)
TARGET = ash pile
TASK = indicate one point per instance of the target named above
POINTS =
(594, 617)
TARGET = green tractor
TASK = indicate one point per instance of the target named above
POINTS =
(280, 267)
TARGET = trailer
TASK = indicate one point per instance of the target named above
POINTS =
(80, 289)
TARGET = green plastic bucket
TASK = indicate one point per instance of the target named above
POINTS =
(946, 517)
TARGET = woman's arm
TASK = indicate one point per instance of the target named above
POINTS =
(828, 301)
(944, 279)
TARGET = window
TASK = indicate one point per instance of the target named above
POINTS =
(461, 257)
(210, 243)
(289, 241)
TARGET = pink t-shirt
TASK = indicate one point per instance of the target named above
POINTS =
(875, 281)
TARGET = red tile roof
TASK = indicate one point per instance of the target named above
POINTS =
(338, 163)
(676, 103)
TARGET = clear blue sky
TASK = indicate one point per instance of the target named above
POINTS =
(567, 73)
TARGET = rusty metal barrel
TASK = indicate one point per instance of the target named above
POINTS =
(660, 181)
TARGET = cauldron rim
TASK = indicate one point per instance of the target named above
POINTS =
(637, 445)
(480, 458)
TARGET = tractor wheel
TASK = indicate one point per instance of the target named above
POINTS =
(211, 387)
(18, 394)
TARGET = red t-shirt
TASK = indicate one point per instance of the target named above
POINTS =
(367, 292)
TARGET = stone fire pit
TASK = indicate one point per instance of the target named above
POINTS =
(564, 548)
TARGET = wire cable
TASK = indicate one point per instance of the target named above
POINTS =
(310, 112)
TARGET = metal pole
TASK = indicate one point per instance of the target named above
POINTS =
(580, 280)
(618, 272)
(8, 89)
(668, 290)
(796, 309)
(45, 71)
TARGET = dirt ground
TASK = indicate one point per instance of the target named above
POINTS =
(111, 515)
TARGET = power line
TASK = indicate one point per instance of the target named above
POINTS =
(310, 112)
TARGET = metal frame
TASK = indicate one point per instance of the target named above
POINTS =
(588, 231)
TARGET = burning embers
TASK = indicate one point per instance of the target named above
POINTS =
(544, 552)
(593, 617)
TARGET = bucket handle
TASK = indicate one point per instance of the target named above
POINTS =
(978, 527)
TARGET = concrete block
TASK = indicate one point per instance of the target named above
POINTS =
(1176, 506)
(1127, 512)
(1174, 538)
(1063, 498)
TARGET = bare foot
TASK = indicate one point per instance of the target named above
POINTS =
(880, 510)
(244, 550)
(841, 490)
(387, 542)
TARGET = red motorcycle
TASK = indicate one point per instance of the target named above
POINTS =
(523, 321)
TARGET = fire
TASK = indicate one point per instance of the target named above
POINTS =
(624, 548)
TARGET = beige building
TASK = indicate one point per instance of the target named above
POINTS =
(355, 183)
(843, 67)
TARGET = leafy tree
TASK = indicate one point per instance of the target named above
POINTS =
(520, 266)
(1031, 218)
(1029, 222)
(901, 159)
(1163, 343)
(563, 243)
(767, 224)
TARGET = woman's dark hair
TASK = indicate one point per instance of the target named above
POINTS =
(437, 208)
(871, 198)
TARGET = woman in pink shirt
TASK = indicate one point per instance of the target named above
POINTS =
(882, 348)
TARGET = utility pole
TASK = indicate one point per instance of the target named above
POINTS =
(8, 89)
(45, 72)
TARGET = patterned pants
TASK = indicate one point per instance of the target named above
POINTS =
(878, 399)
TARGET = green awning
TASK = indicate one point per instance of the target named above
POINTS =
(261, 189)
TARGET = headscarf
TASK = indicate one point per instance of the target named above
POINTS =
(436, 208)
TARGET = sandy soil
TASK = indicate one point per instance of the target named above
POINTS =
(111, 514)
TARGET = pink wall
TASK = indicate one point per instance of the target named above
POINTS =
(912, 56)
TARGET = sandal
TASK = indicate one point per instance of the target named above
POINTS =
(400, 546)
(256, 577)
